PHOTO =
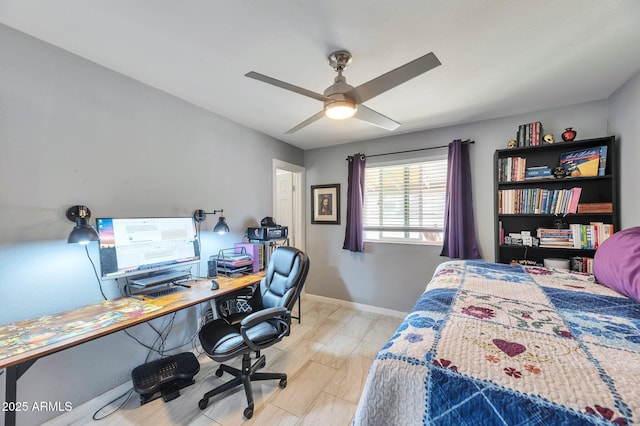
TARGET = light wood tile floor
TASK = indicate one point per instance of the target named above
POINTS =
(327, 358)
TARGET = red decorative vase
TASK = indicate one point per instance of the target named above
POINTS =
(569, 134)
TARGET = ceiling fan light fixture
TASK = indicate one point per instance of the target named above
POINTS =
(340, 110)
(342, 100)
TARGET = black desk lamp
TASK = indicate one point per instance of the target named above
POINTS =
(83, 232)
(221, 227)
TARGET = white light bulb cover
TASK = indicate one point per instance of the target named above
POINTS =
(340, 110)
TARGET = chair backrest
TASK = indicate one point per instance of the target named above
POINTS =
(285, 277)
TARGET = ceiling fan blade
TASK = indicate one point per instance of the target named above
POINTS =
(286, 86)
(306, 122)
(372, 117)
(393, 78)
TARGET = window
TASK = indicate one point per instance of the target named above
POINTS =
(405, 201)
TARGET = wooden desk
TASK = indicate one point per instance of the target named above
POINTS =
(83, 324)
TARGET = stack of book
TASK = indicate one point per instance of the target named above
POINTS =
(511, 169)
(578, 236)
(582, 264)
(595, 208)
(529, 134)
(592, 235)
(538, 201)
(538, 172)
(555, 238)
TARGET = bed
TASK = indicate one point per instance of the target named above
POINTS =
(498, 344)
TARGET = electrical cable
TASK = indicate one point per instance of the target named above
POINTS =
(162, 336)
(127, 394)
(95, 271)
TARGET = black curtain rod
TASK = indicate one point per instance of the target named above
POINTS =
(413, 150)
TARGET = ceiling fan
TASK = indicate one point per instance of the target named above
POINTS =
(341, 100)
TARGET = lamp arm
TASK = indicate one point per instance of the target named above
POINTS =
(201, 215)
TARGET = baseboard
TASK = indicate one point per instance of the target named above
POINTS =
(360, 306)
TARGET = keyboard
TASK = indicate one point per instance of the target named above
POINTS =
(165, 292)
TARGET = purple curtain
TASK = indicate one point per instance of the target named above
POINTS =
(354, 234)
(459, 231)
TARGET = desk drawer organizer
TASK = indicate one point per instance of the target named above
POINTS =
(165, 377)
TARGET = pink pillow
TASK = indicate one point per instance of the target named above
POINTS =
(617, 262)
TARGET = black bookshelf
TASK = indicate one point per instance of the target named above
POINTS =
(595, 189)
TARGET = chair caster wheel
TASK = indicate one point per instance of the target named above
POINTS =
(219, 372)
(202, 404)
(283, 383)
(248, 413)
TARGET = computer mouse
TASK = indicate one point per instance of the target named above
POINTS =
(214, 285)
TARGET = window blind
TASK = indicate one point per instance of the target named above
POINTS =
(405, 201)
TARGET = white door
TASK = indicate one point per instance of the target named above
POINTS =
(288, 200)
(284, 203)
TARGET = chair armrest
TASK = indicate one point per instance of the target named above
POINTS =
(263, 315)
(280, 315)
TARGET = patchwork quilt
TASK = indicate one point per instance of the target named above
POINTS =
(494, 344)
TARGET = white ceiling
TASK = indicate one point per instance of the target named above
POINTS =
(499, 57)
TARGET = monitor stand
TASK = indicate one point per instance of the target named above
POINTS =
(158, 278)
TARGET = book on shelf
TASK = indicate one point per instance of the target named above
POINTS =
(574, 199)
(595, 208)
(529, 134)
(578, 236)
(538, 172)
(538, 201)
(520, 135)
(592, 235)
(511, 169)
(602, 166)
(582, 162)
(555, 238)
(581, 264)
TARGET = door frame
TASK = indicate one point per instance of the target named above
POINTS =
(299, 183)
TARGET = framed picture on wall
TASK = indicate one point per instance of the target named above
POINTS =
(325, 204)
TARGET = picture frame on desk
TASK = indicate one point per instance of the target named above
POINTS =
(325, 204)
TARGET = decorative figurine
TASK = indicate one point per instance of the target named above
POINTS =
(512, 144)
(560, 223)
(548, 138)
(559, 172)
(569, 134)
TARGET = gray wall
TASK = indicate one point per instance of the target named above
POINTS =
(624, 122)
(73, 132)
(394, 275)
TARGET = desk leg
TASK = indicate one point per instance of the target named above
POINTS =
(11, 389)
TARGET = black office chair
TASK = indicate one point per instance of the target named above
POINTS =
(266, 325)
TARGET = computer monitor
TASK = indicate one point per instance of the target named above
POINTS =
(135, 246)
